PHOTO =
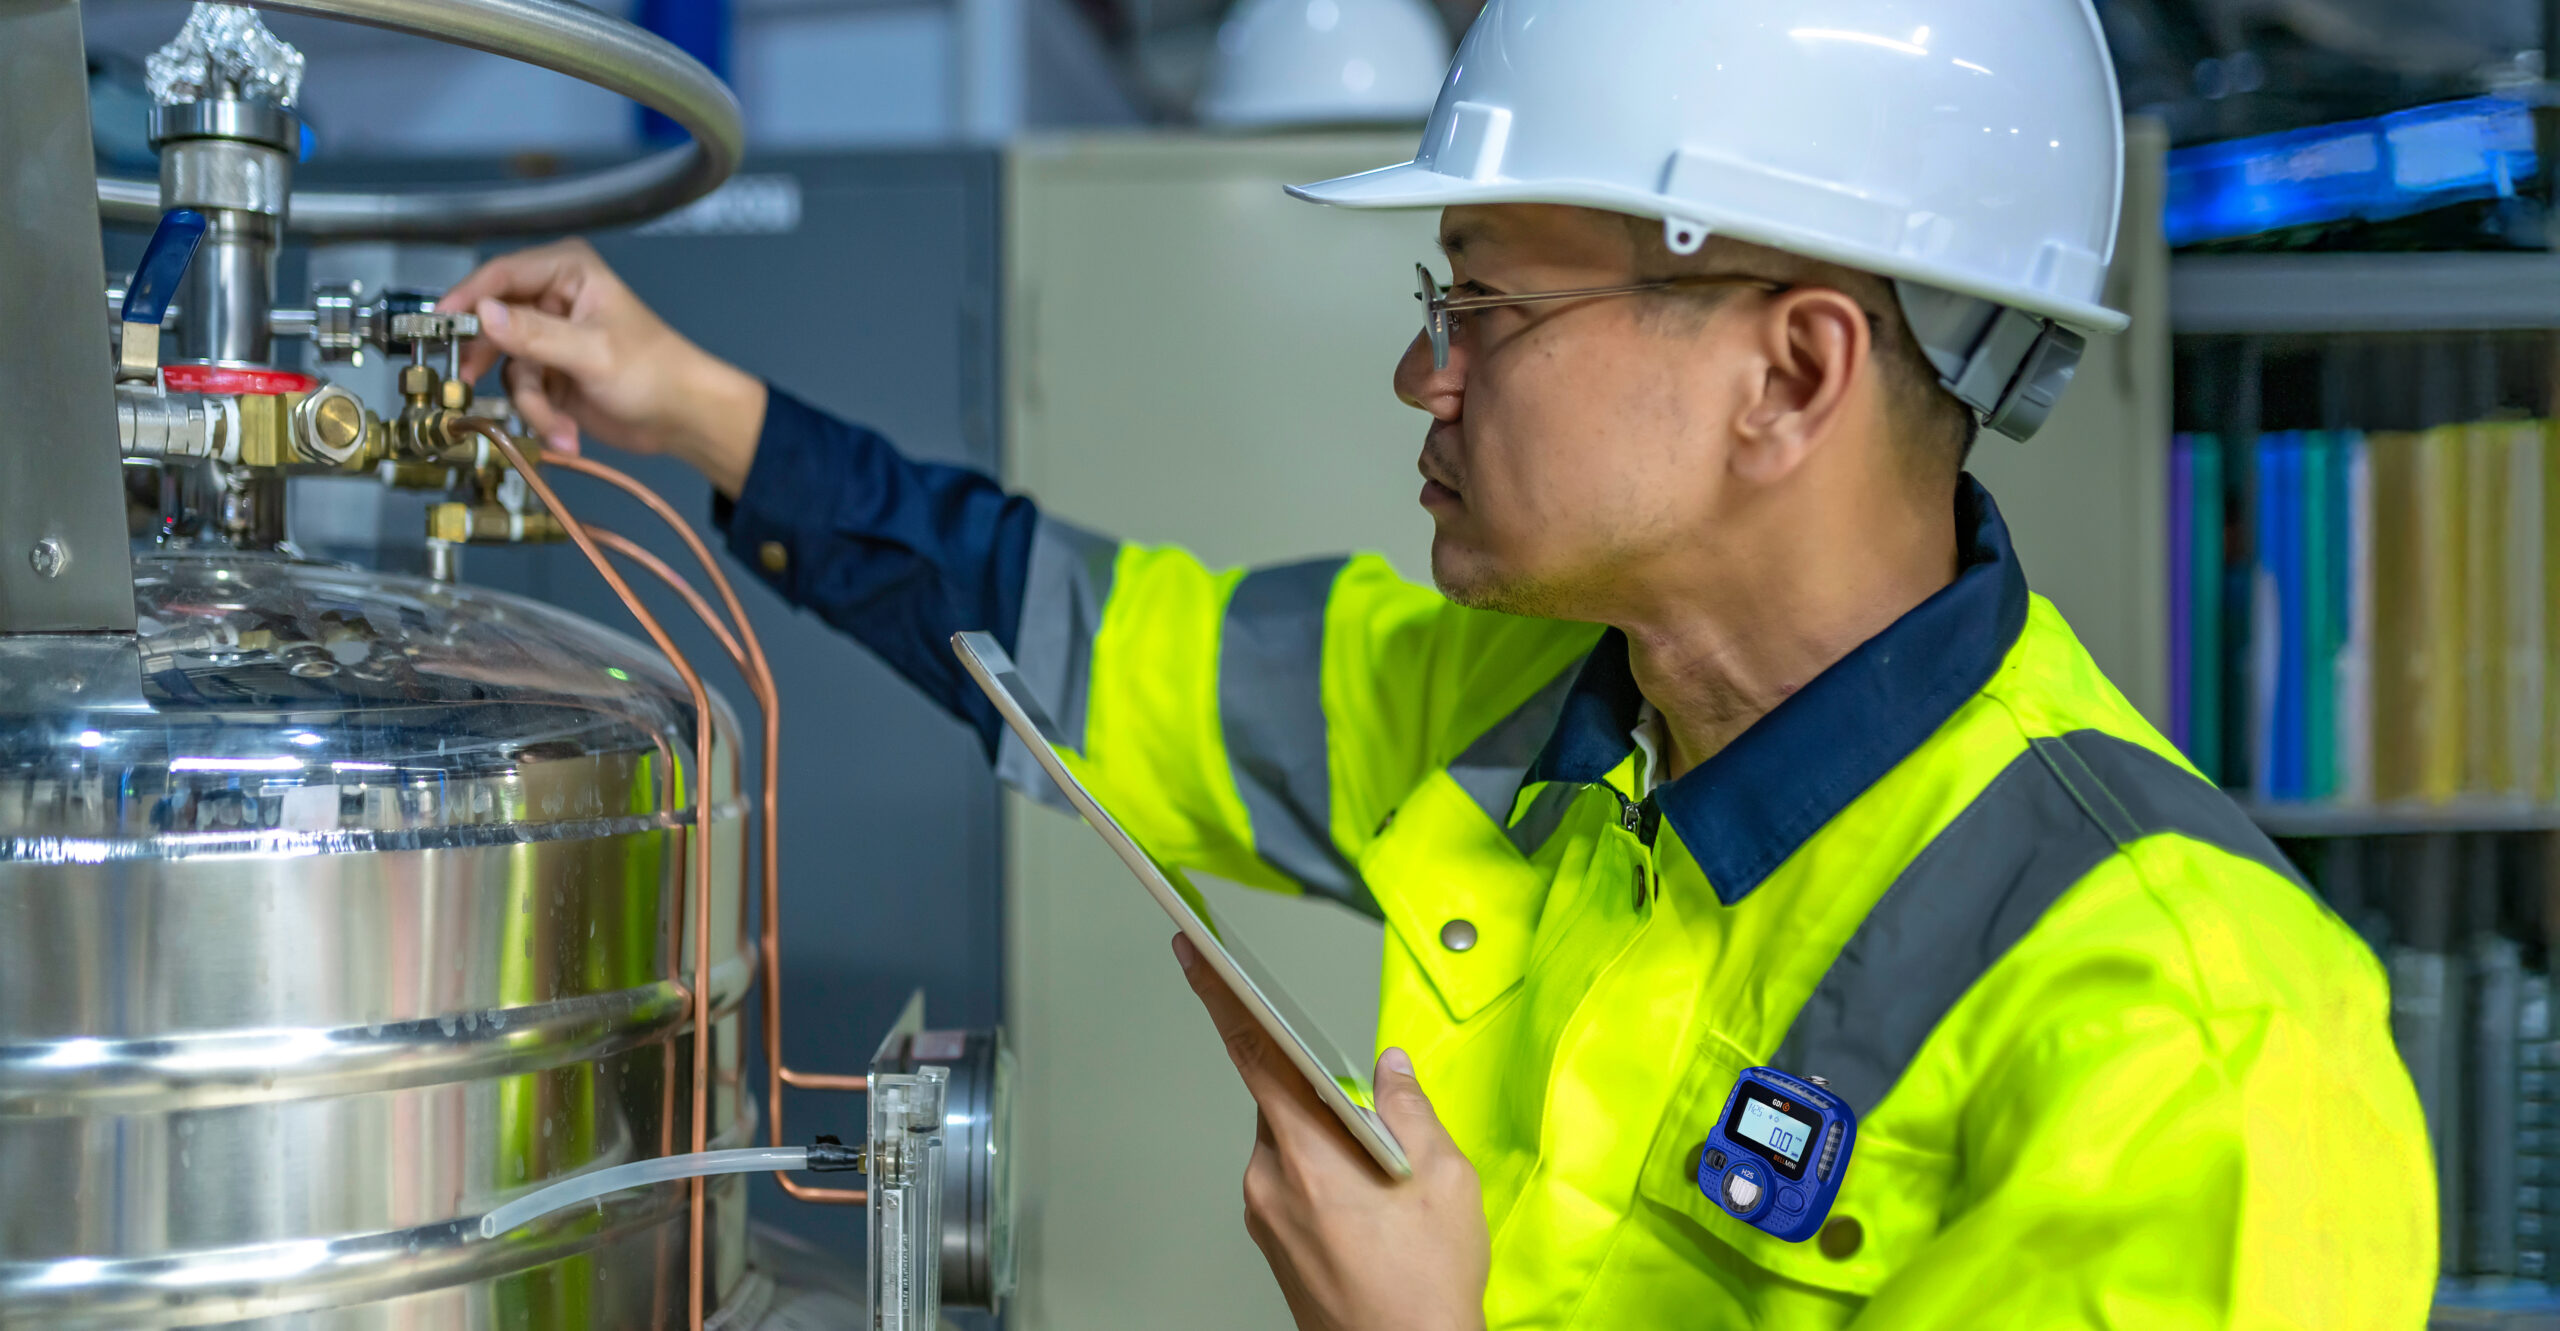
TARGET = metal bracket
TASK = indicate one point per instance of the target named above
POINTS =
(64, 562)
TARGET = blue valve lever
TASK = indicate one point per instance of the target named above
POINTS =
(154, 286)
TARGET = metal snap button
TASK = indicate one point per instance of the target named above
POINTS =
(1458, 935)
(774, 556)
(1842, 1238)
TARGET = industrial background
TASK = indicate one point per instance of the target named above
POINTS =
(1007, 232)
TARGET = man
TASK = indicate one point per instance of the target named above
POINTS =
(1732, 736)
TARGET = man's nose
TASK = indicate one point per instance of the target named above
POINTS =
(1422, 386)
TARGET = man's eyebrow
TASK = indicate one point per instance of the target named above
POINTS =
(1453, 242)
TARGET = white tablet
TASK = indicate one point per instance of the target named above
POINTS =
(1341, 1082)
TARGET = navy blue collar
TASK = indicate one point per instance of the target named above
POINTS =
(1741, 813)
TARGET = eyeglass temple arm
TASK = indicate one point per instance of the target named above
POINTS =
(1461, 304)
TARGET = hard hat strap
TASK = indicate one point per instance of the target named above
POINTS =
(2007, 366)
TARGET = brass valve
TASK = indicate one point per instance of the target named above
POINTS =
(429, 428)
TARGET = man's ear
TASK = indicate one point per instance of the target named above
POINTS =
(1814, 341)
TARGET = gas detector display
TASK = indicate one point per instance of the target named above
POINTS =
(1774, 1130)
(1780, 1127)
(1775, 1158)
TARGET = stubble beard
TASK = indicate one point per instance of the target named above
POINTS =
(1466, 581)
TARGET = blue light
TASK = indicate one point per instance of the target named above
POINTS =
(2371, 170)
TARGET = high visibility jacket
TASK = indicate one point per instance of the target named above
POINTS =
(2114, 1064)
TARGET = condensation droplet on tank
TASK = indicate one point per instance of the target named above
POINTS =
(446, 1023)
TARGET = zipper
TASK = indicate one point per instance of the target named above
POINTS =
(1634, 818)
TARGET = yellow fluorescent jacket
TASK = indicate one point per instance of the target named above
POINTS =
(2114, 1065)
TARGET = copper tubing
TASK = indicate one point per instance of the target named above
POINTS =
(759, 674)
(700, 832)
(762, 687)
(638, 554)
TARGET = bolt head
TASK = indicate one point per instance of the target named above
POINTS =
(49, 558)
(454, 395)
(332, 424)
(417, 381)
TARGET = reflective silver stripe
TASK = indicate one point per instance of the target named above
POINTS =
(2042, 825)
(1491, 768)
(1062, 600)
(1271, 710)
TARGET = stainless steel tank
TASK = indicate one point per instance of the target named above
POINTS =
(368, 912)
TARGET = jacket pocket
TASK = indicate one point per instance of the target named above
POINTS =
(1888, 1207)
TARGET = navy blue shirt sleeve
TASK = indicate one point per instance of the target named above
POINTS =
(899, 554)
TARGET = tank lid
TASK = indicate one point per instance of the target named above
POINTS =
(277, 705)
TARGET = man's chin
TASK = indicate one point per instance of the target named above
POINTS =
(1471, 579)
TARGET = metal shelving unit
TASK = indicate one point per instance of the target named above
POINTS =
(2298, 294)
(2404, 341)
(2305, 821)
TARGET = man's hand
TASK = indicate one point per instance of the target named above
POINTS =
(1353, 1249)
(583, 352)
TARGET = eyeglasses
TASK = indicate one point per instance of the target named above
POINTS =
(1438, 305)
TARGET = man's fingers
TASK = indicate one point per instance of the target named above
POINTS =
(1246, 1043)
(1407, 1111)
(523, 275)
(479, 356)
(1288, 1104)
(548, 277)
(531, 398)
(526, 333)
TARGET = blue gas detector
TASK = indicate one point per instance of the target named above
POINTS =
(1776, 1157)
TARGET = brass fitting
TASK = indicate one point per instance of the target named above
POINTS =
(417, 475)
(418, 384)
(332, 427)
(266, 428)
(454, 395)
(490, 524)
(329, 427)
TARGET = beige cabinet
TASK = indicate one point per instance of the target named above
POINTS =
(2088, 498)
(1195, 358)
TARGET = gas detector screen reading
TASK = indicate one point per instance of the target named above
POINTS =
(1774, 1130)
(1777, 1126)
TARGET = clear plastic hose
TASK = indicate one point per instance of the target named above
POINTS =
(640, 1173)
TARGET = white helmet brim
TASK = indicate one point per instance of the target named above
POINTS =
(1414, 185)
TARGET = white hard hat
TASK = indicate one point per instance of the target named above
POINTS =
(1972, 150)
(1325, 62)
